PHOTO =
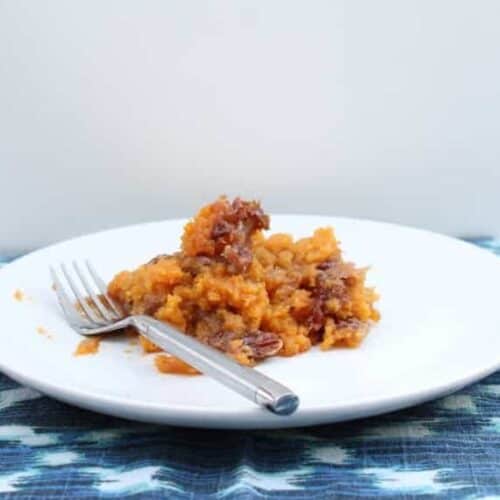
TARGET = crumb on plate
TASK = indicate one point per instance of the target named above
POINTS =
(170, 364)
(43, 331)
(88, 346)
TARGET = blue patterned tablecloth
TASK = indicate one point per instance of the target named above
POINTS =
(449, 448)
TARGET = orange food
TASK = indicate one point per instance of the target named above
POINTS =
(251, 296)
(170, 364)
(88, 346)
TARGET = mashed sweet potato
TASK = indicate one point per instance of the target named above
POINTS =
(249, 295)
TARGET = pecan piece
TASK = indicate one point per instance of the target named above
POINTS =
(262, 344)
(257, 344)
(316, 319)
(238, 257)
(232, 232)
(194, 265)
(220, 340)
(353, 324)
(151, 302)
(156, 259)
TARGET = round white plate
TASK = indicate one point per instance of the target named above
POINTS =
(439, 331)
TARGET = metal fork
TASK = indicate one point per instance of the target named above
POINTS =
(100, 314)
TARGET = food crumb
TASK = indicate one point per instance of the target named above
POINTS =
(171, 364)
(43, 331)
(19, 295)
(88, 346)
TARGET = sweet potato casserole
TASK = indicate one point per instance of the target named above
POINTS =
(250, 295)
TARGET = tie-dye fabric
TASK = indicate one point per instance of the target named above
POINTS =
(449, 448)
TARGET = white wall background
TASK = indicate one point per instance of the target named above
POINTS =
(114, 112)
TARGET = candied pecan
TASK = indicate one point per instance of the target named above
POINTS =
(156, 259)
(330, 283)
(202, 324)
(316, 319)
(152, 302)
(238, 257)
(332, 280)
(257, 344)
(262, 344)
(335, 269)
(221, 339)
(232, 231)
(247, 211)
(194, 265)
(353, 324)
(324, 265)
(221, 228)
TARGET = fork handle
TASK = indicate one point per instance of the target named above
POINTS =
(248, 382)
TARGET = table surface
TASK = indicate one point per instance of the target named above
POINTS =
(448, 448)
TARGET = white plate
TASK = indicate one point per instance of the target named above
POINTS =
(439, 331)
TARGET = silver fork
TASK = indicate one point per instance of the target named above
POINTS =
(100, 314)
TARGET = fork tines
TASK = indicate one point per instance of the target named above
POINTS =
(90, 305)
